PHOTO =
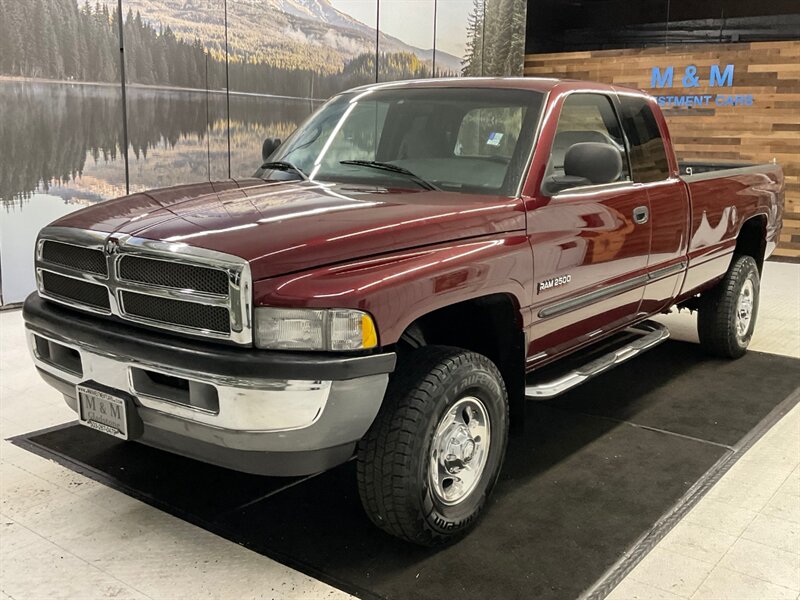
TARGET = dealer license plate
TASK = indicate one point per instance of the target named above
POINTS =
(103, 412)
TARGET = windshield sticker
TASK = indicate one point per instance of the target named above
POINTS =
(494, 138)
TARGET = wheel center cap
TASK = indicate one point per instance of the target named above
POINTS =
(459, 450)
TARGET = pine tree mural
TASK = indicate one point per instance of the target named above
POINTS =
(495, 38)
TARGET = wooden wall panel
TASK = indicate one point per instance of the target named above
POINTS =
(767, 130)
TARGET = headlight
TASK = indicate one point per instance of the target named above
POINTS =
(313, 329)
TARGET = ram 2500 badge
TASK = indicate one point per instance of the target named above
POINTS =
(391, 282)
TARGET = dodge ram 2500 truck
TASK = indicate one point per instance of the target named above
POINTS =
(401, 274)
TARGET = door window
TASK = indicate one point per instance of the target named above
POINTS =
(584, 118)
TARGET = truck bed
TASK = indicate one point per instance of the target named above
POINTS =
(723, 196)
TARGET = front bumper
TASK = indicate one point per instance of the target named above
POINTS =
(261, 412)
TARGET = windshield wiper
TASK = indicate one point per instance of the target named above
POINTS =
(392, 169)
(282, 165)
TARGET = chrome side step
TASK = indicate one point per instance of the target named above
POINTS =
(651, 335)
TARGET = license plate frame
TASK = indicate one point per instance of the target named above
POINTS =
(103, 411)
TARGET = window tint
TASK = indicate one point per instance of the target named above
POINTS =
(648, 155)
(584, 118)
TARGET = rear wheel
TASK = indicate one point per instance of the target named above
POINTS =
(431, 458)
(727, 313)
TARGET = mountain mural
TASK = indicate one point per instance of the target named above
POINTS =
(180, 45)
(305, 34)
(195, 112)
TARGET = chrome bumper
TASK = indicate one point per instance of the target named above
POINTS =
(248, 415)
(271, 413)
(267, 405)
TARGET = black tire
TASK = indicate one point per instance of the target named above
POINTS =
(394, 458)
(718, 322)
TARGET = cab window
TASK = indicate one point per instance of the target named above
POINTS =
(648, 154)
(588, 148)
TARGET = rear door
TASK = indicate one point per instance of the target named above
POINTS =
(668, 200)
(590, 253)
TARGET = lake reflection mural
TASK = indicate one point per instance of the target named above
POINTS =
(197, 108)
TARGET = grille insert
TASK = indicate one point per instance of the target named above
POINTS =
(173, 275)
(178, 312)
(194, 291)
(75, 290)
(74, 257)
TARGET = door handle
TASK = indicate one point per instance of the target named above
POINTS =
(641, 214)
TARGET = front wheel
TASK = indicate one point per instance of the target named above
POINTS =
(431, 458)
(727, 313)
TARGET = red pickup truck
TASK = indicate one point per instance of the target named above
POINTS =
(392, 283)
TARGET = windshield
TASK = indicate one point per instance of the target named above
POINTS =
(473, 140)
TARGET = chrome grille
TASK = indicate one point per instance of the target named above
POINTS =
(166, 310)
(75, 257)
(173, 275)
(76, 290)
(159, 284)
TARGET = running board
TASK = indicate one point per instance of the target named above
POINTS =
(651, 335)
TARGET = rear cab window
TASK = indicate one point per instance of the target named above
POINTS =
(647, 152)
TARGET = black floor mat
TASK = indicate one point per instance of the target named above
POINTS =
(678, 388)
(593, 471)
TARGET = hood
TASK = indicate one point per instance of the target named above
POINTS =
(283, 227)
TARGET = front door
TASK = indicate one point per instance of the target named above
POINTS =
(590, 241)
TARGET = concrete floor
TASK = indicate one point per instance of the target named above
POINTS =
(65, 536)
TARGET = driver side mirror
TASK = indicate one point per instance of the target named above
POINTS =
(586, 163)
(270, 145)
